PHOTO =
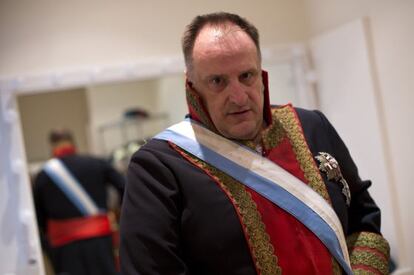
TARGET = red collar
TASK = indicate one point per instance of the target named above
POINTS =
(64, 150)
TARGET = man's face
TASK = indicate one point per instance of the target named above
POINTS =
(226, 72)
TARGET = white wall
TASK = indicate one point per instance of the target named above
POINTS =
(282, 88)
(171, 97)
(47, 35)
(107, 105)
(393, 43)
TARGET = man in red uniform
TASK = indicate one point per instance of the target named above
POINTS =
(70, 195)
(241, 187)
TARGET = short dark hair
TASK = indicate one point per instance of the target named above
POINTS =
(59, 135)
(218, 18)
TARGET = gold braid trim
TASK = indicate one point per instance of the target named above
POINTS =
(257, 237)
(364, 272)
(271, 136)
(370, 250)
(194, 101)
(274, 134)
(369, 239)
(287, 118)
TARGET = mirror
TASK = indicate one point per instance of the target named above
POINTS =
(110, 121)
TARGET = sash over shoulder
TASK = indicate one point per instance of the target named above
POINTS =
(266, 178)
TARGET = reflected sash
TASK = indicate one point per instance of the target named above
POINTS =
(71, 187)
(266, 178)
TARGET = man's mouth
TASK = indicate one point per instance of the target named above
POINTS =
(239, 112)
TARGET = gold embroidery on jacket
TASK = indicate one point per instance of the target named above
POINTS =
(286, 116)
(274, 134)
(259, 240)
(271, 136)
(368, 251)
(194, 101)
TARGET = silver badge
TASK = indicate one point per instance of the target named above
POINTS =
(330, 167)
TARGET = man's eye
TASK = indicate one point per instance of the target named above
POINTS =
(246, 76)
(216, 81)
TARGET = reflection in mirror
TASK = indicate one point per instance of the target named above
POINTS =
(107, 121)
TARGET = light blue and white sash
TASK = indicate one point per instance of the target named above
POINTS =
(266, 178)
(71, 187)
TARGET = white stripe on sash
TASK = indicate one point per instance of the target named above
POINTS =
(70, 186)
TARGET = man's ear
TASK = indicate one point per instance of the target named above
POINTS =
(188, 82)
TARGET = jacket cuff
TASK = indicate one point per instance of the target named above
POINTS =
(369, 253)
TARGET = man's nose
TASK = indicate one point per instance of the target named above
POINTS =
(238, 93)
